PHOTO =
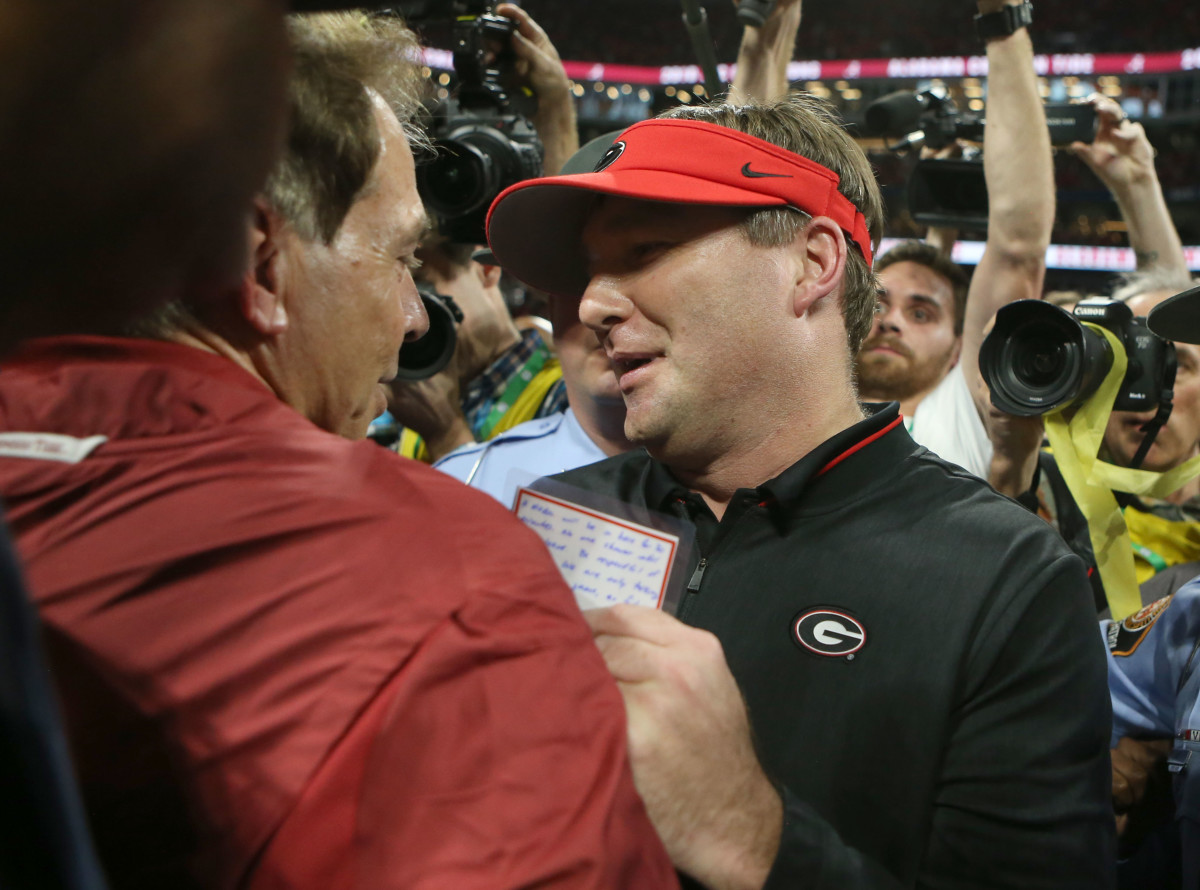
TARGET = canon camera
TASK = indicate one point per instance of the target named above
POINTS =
(1039, 358)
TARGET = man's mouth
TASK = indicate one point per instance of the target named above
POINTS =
(889, 346)
(627, 365)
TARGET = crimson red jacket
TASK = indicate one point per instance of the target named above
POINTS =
(289, 660)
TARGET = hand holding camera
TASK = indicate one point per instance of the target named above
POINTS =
(1120, 154)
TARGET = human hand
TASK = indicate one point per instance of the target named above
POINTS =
(432, 408)
(946, 152)
(1015, 445)
(538, 61)
(1133, 762)
(539, 65)
(690, 746)
(1120, 154)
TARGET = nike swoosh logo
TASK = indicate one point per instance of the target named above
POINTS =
(754, 174)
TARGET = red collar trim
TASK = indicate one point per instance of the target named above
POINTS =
(859, 446)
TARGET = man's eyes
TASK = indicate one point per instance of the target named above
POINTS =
(647, 249)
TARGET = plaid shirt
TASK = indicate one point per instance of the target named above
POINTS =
(484, 391)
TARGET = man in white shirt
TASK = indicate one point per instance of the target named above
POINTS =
(924, 348)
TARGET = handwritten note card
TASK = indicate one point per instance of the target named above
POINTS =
(604, 560)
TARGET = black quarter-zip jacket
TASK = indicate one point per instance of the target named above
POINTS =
(920, 659)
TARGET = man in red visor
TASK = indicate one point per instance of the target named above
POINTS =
(882, 674)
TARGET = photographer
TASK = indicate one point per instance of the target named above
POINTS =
(1164, 532)
(499, 376)
(924, 348)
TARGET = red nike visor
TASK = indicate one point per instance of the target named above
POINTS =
(535, 227)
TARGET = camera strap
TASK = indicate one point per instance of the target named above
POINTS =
(1166, 401)
(1091, 481)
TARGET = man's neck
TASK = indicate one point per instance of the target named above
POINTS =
(784, 442)
(603, 422)
(207, 341)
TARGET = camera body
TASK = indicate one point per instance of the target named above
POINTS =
(1039, 358)
(483, 138)
(953, 192)
(480, 153)
(928, 116)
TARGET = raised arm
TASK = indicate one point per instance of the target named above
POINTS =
(1123, 159)
(764, 55)
(539, 63)
(1020, 180)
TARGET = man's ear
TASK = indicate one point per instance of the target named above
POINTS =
(261, 302)
(821, 254)
(489, 275)
(956, 354)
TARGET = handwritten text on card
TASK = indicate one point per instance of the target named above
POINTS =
(604, 560)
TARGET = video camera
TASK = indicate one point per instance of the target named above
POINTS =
(482, 134)
(953, 192)
(1039, 358)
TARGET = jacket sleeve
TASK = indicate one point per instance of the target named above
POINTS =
(1023, 795)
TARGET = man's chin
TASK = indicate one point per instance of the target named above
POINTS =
(883, 389)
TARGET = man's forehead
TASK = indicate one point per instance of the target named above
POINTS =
(615, 214)
(907, 278)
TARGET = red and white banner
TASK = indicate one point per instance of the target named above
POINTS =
(1063, 256)
(1058, 65)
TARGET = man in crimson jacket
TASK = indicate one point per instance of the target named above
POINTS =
(288, 659)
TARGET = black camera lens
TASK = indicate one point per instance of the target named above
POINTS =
(1039, 361)
(475, 162)
(754, 12)
(425, 357)
(459, 180)
(1039, 358)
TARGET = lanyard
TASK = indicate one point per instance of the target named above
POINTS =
(516, 385)
(1154, 560)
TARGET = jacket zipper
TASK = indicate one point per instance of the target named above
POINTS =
(693, 588)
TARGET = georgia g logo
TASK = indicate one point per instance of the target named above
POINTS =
(828, 632)
(614, 151)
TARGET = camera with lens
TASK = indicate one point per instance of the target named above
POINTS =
(952, 191)
(423, 358)
(1039, 358)
(949, 192)
(483, 137)
(754, 12)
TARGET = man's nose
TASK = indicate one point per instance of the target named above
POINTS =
(887, 319)
(604, 304)
(416, 319)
